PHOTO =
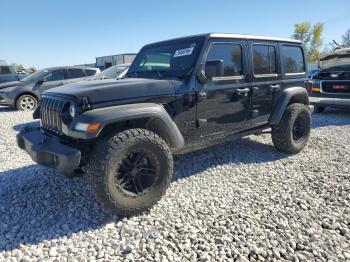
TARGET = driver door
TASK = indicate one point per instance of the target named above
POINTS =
(223, 104)
(52, 79)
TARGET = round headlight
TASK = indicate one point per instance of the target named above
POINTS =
(72, 110)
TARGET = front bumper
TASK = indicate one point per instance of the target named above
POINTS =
(48, 151)
(332, 102)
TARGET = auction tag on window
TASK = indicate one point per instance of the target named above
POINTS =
(184, 52)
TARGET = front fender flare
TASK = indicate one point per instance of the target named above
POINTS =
(295, 94)
(114, 114)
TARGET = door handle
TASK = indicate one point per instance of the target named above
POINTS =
(243, 90)
(60, 83)
(275, 87)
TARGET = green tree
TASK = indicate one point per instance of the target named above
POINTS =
(17, 67)
(311, 36)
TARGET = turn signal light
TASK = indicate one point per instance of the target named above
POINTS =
(93, 127)
(316, 90)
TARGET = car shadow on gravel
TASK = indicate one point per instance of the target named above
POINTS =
(331, 117)
(36, 205)
(239, 151)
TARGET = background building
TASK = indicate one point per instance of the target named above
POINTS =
(104, 62)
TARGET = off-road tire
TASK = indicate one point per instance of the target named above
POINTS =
(31, 104)
(282, 134)
(107, 159)
(319, 109)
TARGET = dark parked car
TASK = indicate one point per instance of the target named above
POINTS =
(25, 94)
(7, 73)
(178, 95)
(331, 85)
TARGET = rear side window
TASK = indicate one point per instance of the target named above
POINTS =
(75, 73)
(55, 75)
(292, 60)
(231, 55)
(4, 70)
(264, 59)
(90, 72)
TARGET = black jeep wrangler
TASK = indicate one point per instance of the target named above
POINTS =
(178, 95)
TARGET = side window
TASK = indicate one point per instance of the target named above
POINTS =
(231, 55)
(4, 70)
(75, 73)
(90, 72)
(264, 59)
(55, 75)
(292, 60)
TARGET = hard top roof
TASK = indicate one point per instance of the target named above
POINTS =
(237, 36)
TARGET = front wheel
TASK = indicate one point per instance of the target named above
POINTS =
(130, 171)
(293, 131)
(26, 102)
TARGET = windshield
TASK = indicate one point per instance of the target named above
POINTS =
(35, 76)
(109, 73)
(171, 58)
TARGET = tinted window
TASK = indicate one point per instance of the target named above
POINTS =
(5, 70)
(75, 73)
(292, 59)
(231, 55)
(264, 59)
(90, 72)
(55, 75)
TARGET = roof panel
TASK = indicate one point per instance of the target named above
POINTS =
(254, 37)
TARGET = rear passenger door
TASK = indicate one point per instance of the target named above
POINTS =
(266, 80)
(75, 75)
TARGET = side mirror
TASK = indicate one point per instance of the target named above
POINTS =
(214, 68)
(42, 80)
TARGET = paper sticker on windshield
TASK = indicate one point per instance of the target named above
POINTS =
(184, 52)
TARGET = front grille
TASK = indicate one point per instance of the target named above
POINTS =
(51, 113)
(337, 87)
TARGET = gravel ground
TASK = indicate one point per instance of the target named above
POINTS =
(239, 201)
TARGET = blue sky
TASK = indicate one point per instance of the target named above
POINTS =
(51, 33)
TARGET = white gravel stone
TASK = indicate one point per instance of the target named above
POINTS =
(238, 201)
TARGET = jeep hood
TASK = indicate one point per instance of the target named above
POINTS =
(111, 91)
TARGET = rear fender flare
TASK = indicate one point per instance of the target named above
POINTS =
(290, 95)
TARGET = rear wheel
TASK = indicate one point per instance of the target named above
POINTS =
(26, 102)
(293, 131)
(130, 171)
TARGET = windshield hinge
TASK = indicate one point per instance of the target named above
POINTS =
(85, 103)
